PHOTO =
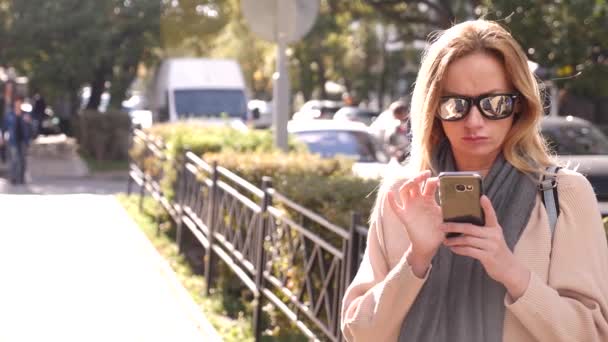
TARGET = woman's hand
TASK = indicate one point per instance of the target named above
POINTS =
(487, 244)
(421, 216)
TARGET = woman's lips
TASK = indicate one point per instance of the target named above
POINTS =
(474, 138)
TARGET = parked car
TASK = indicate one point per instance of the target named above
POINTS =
(582, 145)
(318, 109)
(330, 138)
(261, 113)
(350, 113)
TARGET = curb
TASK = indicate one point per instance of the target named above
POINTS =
(185, 300)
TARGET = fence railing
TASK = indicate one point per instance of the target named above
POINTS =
(285, 254)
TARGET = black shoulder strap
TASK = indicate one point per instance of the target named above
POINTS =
(548, 186)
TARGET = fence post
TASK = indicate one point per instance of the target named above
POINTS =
(213, 208)
(260, 262)
(142, 188)
(179, 194)
(353, 249)
(130, 162)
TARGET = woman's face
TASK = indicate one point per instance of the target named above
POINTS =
(475, 140)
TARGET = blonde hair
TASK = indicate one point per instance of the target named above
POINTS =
(524, 148)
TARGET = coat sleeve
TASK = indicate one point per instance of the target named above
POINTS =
(573, 306)
(377, 300)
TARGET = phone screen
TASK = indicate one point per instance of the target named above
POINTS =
(459, 194)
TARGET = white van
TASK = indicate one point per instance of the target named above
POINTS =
(208, 90)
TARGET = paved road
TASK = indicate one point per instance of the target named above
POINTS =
(74, 267)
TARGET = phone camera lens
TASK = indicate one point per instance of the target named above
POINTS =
(460, 187)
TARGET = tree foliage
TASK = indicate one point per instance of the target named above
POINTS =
(64, 44)
(563, 36)
(365, 45)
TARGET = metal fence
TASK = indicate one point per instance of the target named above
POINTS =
(283, 253)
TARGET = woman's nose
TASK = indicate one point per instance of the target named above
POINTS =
(474, 119)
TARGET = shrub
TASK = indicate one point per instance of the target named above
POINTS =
(201, 139)
(326, 186)
(104, 136)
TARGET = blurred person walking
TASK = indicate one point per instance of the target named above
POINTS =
(38, 110)
(392, 128)
(7, 101)
(18, 126)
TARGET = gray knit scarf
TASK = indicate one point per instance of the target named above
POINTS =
(459, 301)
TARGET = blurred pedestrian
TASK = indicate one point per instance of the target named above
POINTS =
(392, 129)
(18, 126)
(6, 107)
(536, 270)
(38, 112)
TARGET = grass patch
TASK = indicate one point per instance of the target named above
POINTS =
(105, 165)
(229, 329)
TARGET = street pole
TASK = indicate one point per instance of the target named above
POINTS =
(554, 93)
(281, 80)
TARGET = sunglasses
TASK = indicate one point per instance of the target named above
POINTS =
(491, 106)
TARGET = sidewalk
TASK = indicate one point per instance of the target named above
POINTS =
(75, 267)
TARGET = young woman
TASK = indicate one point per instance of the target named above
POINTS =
(476, 107)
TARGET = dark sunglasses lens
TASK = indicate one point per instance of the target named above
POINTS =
(497, 106)
(452, 108)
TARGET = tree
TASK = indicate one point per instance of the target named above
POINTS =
(189, 27)
(564, 37)
(64, 44)
(256, 56)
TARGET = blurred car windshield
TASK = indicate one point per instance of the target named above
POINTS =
(357, 114)
(576, 140)
(330, 143)
(210, 102)
(326, 108)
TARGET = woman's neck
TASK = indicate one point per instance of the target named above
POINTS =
(480, 166)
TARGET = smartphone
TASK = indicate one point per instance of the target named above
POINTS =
(459, 194)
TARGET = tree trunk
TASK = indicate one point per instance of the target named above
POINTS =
(98, 86)
(307, 83)
(120, 85)
(383, 72)
(321, 80)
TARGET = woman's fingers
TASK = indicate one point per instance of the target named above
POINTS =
(391, 200)
(466, 229)
(415, 188)
(404, 190)
(415, 184)
(488, 210)
(430, 186)
(468, 241)
(472, 252)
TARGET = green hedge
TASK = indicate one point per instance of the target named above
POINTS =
(203, 139)
(104, 136)
(327, 186)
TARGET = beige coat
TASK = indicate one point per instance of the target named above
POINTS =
(566, 299)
